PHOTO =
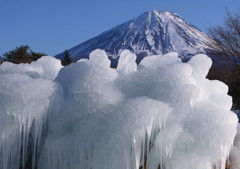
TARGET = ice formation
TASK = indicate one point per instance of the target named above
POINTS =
(126, 63)
(235, 152)
(162, 114)
(27, 96)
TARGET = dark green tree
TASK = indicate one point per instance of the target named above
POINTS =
(66, 58)
(22, 54)
(1, 60)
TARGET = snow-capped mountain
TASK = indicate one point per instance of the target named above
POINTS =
(153, 32)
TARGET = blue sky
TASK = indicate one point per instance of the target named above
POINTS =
(52, 26)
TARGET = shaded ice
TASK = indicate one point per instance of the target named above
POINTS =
(235, 152)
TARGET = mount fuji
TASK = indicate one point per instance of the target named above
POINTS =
(152, 33)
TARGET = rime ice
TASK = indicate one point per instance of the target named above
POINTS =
(163, 113)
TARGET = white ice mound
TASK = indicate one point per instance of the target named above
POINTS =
(27, 97)
(165, 115)
(127, 62)
(46, 67)
(159, 61)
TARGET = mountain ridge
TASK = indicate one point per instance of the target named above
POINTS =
(152, 33)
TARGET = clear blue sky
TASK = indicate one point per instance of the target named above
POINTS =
(52, 26)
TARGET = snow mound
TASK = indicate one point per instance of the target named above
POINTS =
(166, 114)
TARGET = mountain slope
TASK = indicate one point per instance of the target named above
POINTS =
(153, 32)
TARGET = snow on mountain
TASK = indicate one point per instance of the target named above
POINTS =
(152, 33)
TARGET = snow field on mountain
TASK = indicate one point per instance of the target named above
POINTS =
(88, 116)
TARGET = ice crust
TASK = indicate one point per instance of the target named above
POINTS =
(161, 114)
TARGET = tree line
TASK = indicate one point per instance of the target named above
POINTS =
(24, 54)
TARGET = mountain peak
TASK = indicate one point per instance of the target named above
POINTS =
(153, 19)
(153, 14)
(159, 15)
(153, 32)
